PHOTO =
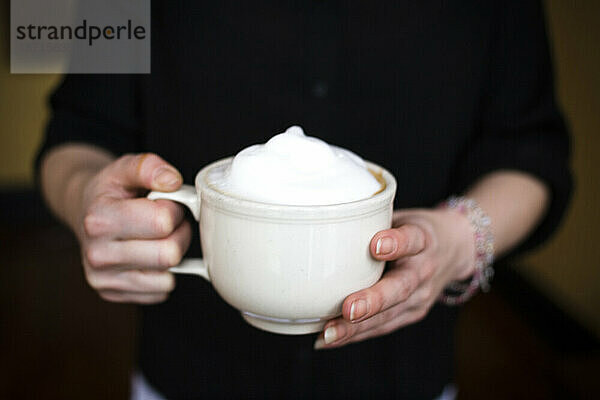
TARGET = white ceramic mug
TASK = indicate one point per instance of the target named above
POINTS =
(287, 268)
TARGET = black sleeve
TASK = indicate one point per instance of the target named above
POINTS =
(521, 127)
(95, 109)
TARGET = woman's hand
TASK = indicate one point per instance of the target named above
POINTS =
(128, 242)
(425, 250)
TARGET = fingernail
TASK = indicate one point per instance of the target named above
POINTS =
(166, 177)
(358, 310)
(330, 335)
(385, 245)
(319, 344)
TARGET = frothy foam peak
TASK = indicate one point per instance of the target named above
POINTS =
(295, 169)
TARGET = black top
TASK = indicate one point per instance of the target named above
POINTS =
(438, 92)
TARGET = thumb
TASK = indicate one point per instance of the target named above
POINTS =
(147, 171)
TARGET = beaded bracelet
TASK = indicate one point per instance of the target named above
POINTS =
(459, 292)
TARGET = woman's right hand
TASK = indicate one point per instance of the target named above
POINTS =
(128, 242)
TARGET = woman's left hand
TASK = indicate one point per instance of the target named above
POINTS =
(426, 249)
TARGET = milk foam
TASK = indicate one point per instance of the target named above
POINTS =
(295, 169)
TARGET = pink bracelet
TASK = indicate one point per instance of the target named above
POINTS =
(459, 292)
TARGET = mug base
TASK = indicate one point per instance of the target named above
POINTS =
(284, 326)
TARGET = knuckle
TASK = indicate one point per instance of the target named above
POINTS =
(377, 300)
(426, 271)
(138, 280)
(426, 293)
(124, 161)
(93, 225)
(163, 222)
(98, 282)
(348, 332)
(94, 281)
(94, 257)
(170, 283)
(404, 286)
(169, 254)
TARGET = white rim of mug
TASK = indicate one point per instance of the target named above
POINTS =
(367, 205)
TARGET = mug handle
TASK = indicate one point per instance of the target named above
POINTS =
(187, 196)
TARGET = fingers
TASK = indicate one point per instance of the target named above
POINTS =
(389, 298)
(147, 171)
(110, 267)
(396, 286)
(137, 218)
(128, 242)
(129, 297)
(365, 316)
(131, 286)
(132, 281)
(392, 244)
(339, 332)
(157, 254)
